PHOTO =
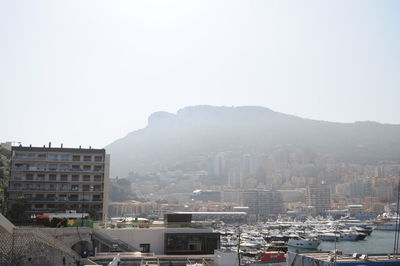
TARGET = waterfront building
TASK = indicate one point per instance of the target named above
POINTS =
(263, 203)
(355, 210)
(176, 236)
(130, 208)
(383, 190)
(226, 217)
(49, 179)
(319, 196)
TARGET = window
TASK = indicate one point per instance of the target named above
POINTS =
(76, 168)
(87, 168)
(74, 187)
(40, 177)
(39, 196)
(145, 248)
(87, 158)
(76, 158)
(41, 167)
(62, 197)
(96, 198)
(97, 168)
(97, 178)
(52, 177)
(52, 167)
(75, 178)
(53, 157)
(17, 176)
(98, 158)
(51, 196)
(64, 177)
(86, 197)
(86, 178)
(64, 157)
(73, 197)
(29, 176)
(39, 206)
(51, 206)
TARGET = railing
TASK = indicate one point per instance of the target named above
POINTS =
(27, 158)
(55, 181)
(35, 169)
(53, 189)
(111, 241)
(60, 200)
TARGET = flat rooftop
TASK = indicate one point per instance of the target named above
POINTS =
(348, 258)
(213, 213)
(56, 149)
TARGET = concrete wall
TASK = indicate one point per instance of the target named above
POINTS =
(106, 188)
(6, 225)
(154, 237)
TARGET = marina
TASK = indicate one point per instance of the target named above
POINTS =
(255, 241)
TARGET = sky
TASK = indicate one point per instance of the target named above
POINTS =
(89, 72)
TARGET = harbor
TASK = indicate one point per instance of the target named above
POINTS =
(345, 236)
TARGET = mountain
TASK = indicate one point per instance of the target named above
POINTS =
(200, 130)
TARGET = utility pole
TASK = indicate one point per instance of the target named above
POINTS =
(238, 244)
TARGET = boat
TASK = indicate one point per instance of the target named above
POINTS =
(351, 235)
(277, 246)
(365, 230)
(308, 243)
(328, 236)
(386, 222)
(273, 258)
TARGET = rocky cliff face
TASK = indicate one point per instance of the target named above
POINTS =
(203, 129)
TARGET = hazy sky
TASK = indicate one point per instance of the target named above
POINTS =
(88, 72)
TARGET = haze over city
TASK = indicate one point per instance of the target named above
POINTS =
(89, 72)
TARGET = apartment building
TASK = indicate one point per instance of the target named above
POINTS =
(319, 196)
(263, 203)
(47, 179)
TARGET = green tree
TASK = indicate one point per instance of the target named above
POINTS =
(17, 210)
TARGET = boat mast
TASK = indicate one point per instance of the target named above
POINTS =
(397, 232)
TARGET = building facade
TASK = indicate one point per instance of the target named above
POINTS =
(130, 208)
(263, 203)
(46, 179)
(319, 196)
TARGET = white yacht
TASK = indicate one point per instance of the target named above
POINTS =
(328, 236)
(350, 235)
(308, 243)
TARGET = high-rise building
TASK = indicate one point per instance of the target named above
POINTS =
(319, 196)
(263, 203)
(46, 179)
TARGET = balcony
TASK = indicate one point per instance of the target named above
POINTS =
(58, 200)
(13, 189)
(46, 159)
(66, 170)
